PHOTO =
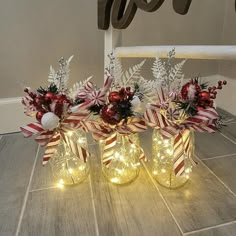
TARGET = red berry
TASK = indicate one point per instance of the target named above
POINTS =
(211, 103)
(199, 108)
(114, 97)
(49, 95)
(219, 87)
(224, 82)
(204, 96)
(39, 115)
(220, 82)
(26, 90)
(214, 87)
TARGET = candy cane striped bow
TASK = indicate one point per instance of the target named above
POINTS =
(203, 121)
(51, 139)
(102, 131)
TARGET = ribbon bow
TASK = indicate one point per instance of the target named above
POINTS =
(102, 131)
(179, 129)
(51, 138)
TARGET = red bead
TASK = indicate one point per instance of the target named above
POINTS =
(204, 96)
(199, 108)
(220, 82)
(224, 82)
(26, 90)
(49, 95)
(219, 87)
(114, 97)
(214, 87)
(211, 103)
(39, 115)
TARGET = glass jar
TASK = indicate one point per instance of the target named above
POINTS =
(163, 159)
(67, 168)
(124, 166)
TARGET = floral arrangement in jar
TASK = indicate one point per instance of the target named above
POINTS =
(57, 126)
(180, 109)
(119, 121)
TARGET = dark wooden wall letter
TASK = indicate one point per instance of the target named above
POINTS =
(122, 12)
(181, 6)
(104, 11)
(123, 15)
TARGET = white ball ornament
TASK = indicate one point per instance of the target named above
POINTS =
(136, 104)
(50, 121)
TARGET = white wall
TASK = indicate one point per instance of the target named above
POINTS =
(36, 33)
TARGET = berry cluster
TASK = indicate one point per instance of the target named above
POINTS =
(119, 106)
(195, 97)
(47, 102)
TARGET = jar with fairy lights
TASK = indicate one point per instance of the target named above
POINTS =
(58, 126)
(167, 169)
(120, 160)
(180, 109)
(66, 167)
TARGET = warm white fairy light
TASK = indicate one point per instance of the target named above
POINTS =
(132, 145)
(166, 141)
(163, 170)
(70, 170)
(115, 180)
(162, 157)
(60, 184)
(155, 172)
(188, 170)
(169, 151)
(119, 171)
(69, 133)
(80, 140)
(82, 167)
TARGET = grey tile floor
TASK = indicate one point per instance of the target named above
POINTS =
(30, 204)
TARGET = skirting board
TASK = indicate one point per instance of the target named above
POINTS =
(12, 115)
(12, 112)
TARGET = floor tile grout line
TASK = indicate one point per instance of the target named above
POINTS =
(221, 181)
(162, 197)
(26, 195)
(225, 136)
(94, 208)
(210, 227)
(42, 189)
(216, 157)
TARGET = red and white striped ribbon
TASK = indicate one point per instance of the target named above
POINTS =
(44, 137)
(154, 118)
(108, 151)
(134, 125)
(98, 130)
(51, 147)
(31, 129)
(73, 120)
(78, 150)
